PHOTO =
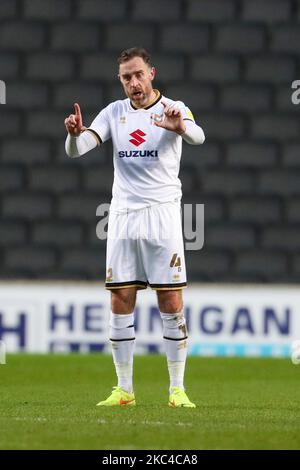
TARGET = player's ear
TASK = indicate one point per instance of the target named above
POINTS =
(119, 78)
(152, 73)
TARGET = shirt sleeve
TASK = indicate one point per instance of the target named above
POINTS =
(77, 146)
(193, 134)
(187, 114)
(100, 126)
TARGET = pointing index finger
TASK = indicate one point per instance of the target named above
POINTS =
(77, 109)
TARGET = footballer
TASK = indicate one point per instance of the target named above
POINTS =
(144, 242)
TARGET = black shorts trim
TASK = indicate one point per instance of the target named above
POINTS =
(121, 285)
(173, 286)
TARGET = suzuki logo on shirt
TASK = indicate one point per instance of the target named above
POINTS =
(137, 137)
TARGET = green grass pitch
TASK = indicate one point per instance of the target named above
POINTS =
(48, 402)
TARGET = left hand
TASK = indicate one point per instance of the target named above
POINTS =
(172, 119)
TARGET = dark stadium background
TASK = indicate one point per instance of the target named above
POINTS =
(231, 61)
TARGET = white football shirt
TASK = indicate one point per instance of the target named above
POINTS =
(146, 157)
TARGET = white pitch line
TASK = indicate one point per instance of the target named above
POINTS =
(41, 419)
(23, 418)
(147, 423)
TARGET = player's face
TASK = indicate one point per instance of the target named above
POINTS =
(136, 77)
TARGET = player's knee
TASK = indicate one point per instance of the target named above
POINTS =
(123, 300)
(170, 306)
(170, 301)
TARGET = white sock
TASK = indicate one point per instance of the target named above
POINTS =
(122, 338)
(175, 341)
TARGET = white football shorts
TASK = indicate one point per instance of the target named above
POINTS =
(145, 247)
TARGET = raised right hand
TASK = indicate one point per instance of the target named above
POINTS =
(73, 123)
